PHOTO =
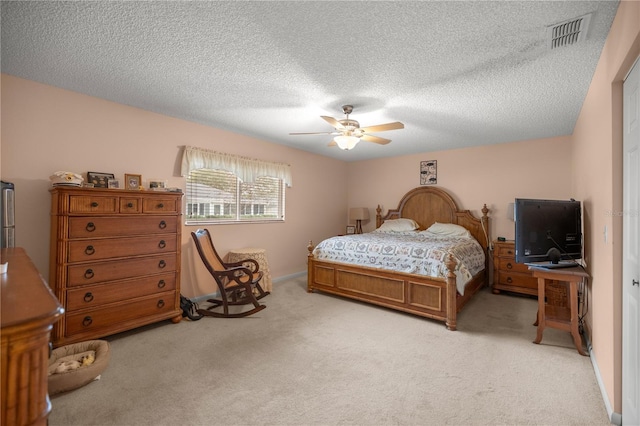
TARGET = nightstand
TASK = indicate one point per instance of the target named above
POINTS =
(509, 275)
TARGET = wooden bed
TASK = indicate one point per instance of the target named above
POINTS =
(435, 298)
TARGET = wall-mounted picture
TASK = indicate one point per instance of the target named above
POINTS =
(429, 172)
(99, 180)
(351, 230)
(132, 181)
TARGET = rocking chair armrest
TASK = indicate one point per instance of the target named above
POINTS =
(233, 272)
(242, 262)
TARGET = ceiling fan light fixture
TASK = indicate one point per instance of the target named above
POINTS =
(346, 142)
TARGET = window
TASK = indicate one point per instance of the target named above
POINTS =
(219, 196)
(223, 188)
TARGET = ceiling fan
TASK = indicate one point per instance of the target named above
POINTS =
(348, 132)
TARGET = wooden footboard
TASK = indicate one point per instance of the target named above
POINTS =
(434, 298)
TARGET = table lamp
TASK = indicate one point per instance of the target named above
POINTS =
(359, 214)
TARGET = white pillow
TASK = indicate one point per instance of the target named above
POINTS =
(398, 225)
(448, 230)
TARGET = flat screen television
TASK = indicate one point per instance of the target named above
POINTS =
(548, 232)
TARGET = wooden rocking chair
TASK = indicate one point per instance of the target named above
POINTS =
(236, 283)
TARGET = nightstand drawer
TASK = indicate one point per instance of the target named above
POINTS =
(511, 265)
(505, 251)
(517, 279)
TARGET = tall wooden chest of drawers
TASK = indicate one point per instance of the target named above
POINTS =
(115, 260)
(509, 275)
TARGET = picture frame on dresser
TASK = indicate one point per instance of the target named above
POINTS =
(99, 179)
(132, 181)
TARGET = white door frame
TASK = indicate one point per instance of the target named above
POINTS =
(631, 249)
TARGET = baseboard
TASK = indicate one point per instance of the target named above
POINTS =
(288, 277)
(614, 418)
(204, 297)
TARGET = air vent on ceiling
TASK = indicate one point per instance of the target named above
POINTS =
(568, 32)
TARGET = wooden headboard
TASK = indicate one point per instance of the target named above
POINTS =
(427, 205)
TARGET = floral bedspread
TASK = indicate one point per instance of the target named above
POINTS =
(412, 253)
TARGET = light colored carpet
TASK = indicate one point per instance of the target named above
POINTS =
(314, 359)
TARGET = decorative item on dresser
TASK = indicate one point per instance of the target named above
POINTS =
(115, 260)
(509, 275)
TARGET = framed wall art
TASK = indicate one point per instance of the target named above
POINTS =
(132, 181)
(99, 180)
(428, 172)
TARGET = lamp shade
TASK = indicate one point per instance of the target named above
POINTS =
(346, 142)
(359, 213)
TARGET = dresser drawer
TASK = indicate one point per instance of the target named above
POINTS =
(511, 265)
(90, 273)
(105, 317)
(101, 294)
(508, 278)
(100, 249)
(160, 205)
(93, 227)
(92, 204)
(130, 205)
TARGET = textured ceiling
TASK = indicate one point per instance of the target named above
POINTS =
(456, 73)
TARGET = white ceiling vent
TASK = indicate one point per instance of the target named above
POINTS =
(568, 32)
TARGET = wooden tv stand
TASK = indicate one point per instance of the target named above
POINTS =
(559, 317)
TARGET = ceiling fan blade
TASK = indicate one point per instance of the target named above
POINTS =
(332, 143)
(335, 123)
(313, 133)
(375, 139)
(382, 127)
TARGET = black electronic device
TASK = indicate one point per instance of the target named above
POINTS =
(548, 232)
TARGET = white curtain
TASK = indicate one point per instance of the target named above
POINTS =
(247, 169)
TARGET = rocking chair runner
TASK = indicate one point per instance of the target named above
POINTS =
(236, 282)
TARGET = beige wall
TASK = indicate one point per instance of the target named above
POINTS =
(597, 179)
(46, 129)
(493, 175)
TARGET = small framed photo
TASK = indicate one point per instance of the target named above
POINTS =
(429, 172)
(99, 180)
(114, 183)
(351, 229)
(132, 181)
(157, 184)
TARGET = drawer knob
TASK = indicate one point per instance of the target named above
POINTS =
(162, 224)
(88, 297)
(88, 274)
(130, 205)
(161, 284)
(89, 250)
(94, 204)
(160, 303)
(87, 321)
(160, 206)
(162, 244)
(162, 264)
(509, 280)
(90, 227)
(509, 252)
(509, 265)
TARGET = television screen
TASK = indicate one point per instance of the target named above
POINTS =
(548, 231)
